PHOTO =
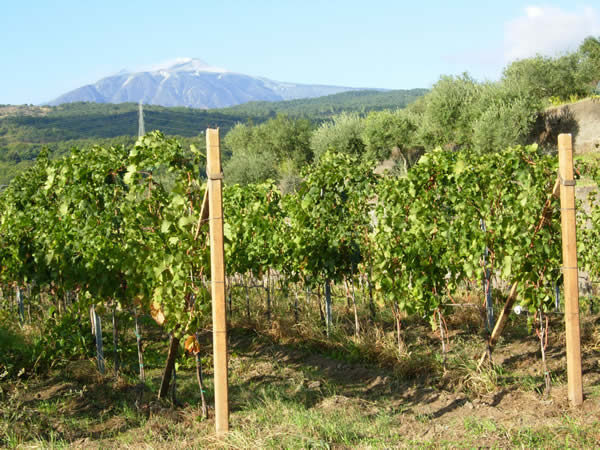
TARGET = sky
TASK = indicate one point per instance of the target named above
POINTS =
(53, 46)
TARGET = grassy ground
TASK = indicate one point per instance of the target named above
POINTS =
(292, 387)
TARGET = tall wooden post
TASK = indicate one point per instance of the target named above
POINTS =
(217, 276)
(569, 250)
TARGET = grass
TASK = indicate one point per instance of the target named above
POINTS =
(15, 350)
(479, 427)
(291, 387)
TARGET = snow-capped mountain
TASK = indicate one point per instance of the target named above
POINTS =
(191, 82)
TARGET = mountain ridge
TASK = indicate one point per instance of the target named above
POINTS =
(191, 82)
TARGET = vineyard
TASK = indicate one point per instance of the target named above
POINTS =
(105, 257)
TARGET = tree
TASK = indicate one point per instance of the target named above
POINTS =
(386, 131)
(590, 62)
(343, 134)
(260, 151)
(544, 76)
(504, 117)
(449, 115)
(247, 168)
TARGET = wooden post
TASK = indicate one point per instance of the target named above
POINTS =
(570, 272)
(217, 276)
(169, 367)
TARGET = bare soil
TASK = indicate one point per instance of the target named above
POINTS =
(420, 404)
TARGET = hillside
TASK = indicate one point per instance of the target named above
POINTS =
(25, 130)
(322, 107)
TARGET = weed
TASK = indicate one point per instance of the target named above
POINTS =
(480, 426)
(424, 418)
(10, 439)
(48, 407)
(479, 383)
(529, 438)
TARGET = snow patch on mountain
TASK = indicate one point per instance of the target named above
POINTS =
(184, 65)
(193, 83)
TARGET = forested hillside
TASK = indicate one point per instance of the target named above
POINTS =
(25, 130)
(324, 107)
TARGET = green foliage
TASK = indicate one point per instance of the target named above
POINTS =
(316, 233)
(343, 134)
(161, 217)
(249, 168)
(504, 117)
(18, 226)
(449, 114)
(116, 224)
(261, 152)
(285, 137)
(55, 340)
(429, 238)
(590, 47)
(253, 217)
(544, 77)
(590, 62)
(462, 113)
(385, 131)
(588, 227)
(328, 217)
(18, 156)
(103, 120)
(60, 339)
(15, 352)
(25, 130)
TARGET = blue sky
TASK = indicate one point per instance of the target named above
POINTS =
(50, 47)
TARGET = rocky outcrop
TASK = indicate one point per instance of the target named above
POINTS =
(581, 119)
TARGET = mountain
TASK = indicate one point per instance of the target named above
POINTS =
(192, 83)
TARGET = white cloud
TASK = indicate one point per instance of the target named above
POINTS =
(549, 31)
(534, 11)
